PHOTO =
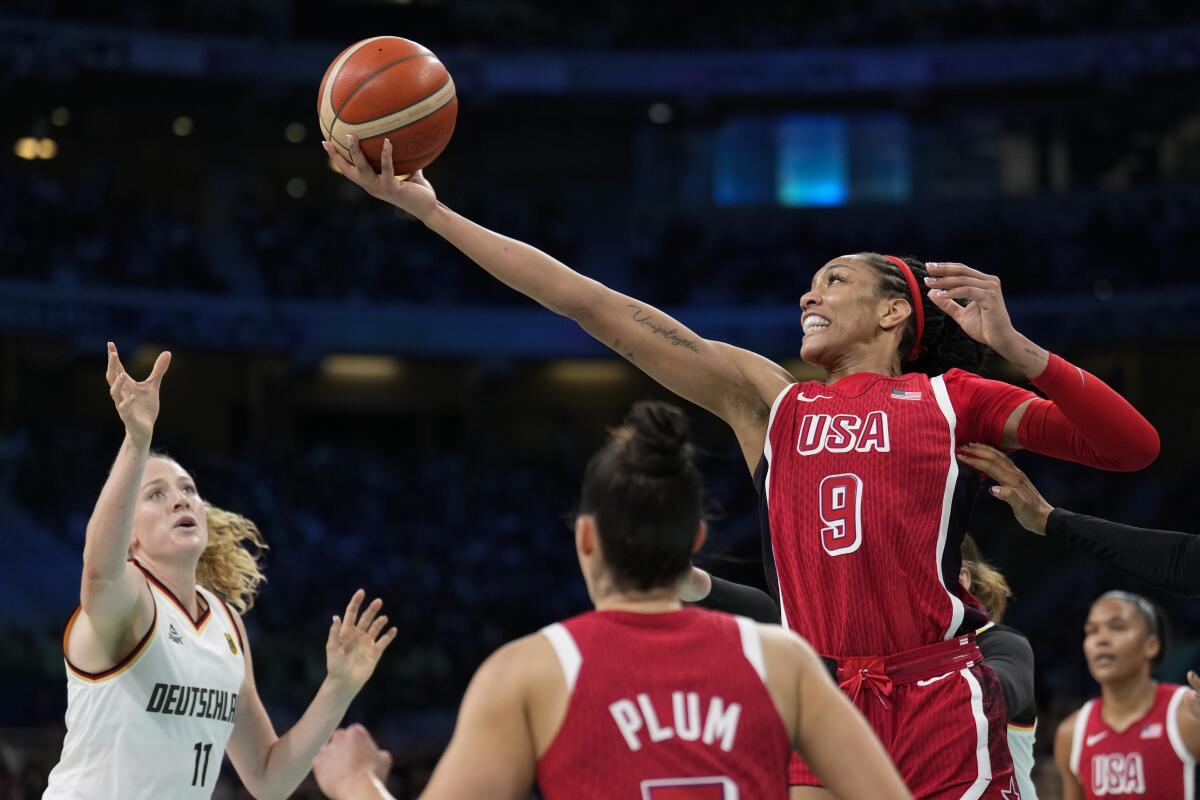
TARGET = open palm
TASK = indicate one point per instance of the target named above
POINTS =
(354, 645)
(136, 401)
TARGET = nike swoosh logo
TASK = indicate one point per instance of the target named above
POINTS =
(928, 681)
(804, 399)
(1095, 737)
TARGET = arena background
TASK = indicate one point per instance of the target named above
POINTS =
(395, 419)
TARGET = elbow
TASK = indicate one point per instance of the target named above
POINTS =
(1141, 452)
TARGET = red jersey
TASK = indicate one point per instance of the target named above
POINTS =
(668, 706)
(1147, 759)
(864, 506)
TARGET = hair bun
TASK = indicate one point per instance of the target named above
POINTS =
(658, 442)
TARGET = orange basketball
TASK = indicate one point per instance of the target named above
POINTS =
(386, 87)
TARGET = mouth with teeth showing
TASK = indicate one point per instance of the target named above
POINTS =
(814, 322)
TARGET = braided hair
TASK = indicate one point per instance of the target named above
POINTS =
(944, 345)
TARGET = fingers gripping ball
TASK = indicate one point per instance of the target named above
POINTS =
(386, 87)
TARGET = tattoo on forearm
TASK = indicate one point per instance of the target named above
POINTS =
(670, 334)
(1037, 353)
(622, 350)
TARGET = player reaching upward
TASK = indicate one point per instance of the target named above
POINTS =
(1131, 740)
(641, 699)
(857, 474)
(160, 681)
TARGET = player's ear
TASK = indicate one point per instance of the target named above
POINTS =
(894, 311)
(701, 537)
(1153, 646)
(585, 534)
(964, 578)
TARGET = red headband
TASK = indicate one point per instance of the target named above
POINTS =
(914, 289)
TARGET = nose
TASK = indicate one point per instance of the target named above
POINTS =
(809, 299)
(181, 502)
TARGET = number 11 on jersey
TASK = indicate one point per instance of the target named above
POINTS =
(841, 513)
(200, 772)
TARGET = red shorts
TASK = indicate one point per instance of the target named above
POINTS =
(940, 713)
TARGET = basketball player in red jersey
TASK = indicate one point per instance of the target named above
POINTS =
(1132, 740)
(863, 500)
(642, 699)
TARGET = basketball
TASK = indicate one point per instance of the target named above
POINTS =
(387, 87)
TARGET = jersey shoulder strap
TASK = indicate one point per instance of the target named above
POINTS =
(569, 657)
(1081, 723)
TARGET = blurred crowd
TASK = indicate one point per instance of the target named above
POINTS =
(104, 236)
(675, 23)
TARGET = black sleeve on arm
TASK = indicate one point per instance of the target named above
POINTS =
(737, 598)
(1008, 652)
(1166, 559)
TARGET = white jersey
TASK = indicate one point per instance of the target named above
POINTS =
(155, 725)
(1021, 739)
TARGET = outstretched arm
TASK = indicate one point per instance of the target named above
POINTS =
(273, 766)
(110, 587)
(736, 385)
(1169, 560)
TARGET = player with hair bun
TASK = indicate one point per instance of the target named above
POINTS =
(641, 699)
(863, 503)
(1131, 740)
(160, 683)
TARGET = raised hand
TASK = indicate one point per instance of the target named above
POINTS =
(1013, 485)
(984, 317)
(350, 760)
(354, 645)
(136, 401)
(411, 193)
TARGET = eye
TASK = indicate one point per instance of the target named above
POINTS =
(157, 494)
(836, 278)
(189, 490)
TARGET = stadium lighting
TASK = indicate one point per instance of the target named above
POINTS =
(346, 367)
(30, 148)
(182, 126)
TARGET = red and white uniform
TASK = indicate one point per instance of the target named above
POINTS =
(668, 706)
(864, 506)
(1148, 759)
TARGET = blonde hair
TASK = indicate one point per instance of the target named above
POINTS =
(227, 566)
(987, 583)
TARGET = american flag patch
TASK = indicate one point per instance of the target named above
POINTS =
(1154, 731)
(900, 394)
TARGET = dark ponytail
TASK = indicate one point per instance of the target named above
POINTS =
(944, 345)
(645, 493)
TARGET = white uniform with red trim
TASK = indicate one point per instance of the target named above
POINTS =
(155, 725)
